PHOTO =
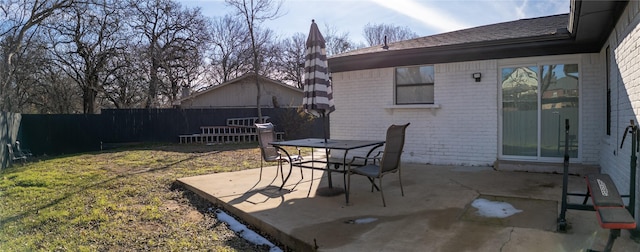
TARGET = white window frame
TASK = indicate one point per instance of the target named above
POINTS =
(425, 84)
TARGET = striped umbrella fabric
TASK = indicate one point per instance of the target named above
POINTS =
(318, 94)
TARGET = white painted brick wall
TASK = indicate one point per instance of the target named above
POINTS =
(625, 89)
(593, 107)
(462, 131)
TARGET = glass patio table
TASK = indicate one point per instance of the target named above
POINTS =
(329, 144)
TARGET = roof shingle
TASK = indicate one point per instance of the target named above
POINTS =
(519, 29)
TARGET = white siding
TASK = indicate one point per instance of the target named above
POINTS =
(625, 94)
(243, 94)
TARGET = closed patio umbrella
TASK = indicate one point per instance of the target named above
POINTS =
(318, 94)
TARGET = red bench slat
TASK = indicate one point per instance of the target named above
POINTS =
(608, 203)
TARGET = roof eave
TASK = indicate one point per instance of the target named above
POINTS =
(590, 23)
(519, 47)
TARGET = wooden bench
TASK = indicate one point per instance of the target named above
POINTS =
(610, 209)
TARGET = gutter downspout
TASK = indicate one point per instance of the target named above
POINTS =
(574, 17)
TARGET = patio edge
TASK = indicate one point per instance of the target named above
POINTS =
(280, 237)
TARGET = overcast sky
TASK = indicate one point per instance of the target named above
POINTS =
(424, 17)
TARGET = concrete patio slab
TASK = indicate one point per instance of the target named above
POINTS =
(434, 215)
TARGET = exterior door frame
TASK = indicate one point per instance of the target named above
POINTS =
(539, 62)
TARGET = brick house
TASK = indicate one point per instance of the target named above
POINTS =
(500, 93)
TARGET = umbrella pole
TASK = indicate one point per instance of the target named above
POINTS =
(326, 150)
(328, 191)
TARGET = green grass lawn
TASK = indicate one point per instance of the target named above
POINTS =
(120, 200)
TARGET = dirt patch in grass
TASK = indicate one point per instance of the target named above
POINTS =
(119, 200)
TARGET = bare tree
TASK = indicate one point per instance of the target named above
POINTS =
(28, 74)
(174, 37)
(337, 43)
(19, 19)
(54, 94)
(231, 48)
(255, 12)
(269, 53)
(292, 59)
(141, 55)
(86, 43)
(41, 87)
(184, 59)
(375, 34)
(232, 54)
(126, 82)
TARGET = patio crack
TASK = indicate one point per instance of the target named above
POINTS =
(465, 186)
(508, 240)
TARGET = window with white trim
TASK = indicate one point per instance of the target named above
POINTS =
(414, 85)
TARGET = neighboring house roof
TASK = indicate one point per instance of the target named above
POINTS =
(236, 80)
(580, 31)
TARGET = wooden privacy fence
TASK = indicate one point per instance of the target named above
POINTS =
(71, 133)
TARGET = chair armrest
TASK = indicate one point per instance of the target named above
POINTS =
(377, 157)
(289, 158)
(354, 158)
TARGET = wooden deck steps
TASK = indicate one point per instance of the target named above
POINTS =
(237, 130)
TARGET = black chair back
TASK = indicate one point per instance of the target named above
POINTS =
(266, 135)
(393, 148)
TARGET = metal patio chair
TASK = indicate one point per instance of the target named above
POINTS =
(22, 152)
(388, 163)
(266, 135)
(13, 156)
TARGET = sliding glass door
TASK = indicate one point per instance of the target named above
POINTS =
(520, 111)
(536, 100)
